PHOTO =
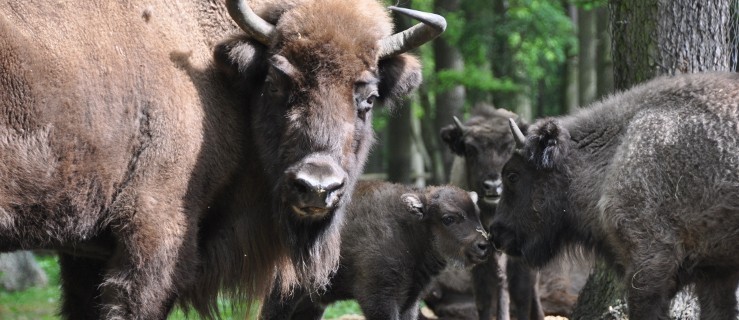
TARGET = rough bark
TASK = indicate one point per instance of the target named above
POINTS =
(634, 49)
(602, 291)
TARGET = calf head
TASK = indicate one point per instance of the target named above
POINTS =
(312, 77)
(454, 220)
(485, 143)
(533, 216)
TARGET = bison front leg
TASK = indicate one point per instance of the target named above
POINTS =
(155, 248)
(650, 284)
(717, 297)
(485, 280)
(523, 290)
(81, 279)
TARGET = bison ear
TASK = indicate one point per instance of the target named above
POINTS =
(413, 204)
(547, 144)
(241, 59)
(452, 136)
(399, 75)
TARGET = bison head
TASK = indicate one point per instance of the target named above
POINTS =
(533, 216)
(454, 220)
(312, 77)
(485, 143)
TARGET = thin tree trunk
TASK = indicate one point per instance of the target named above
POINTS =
(447, 56)
(586, 36)
(571, 97)
(502, 59)
(400, 144)
(605, 57)
(400, 156)
(431, 139)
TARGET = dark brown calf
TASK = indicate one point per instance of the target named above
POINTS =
(396, 238)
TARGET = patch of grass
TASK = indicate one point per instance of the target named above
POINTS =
(37, 302)
(341, 308)
(42, 303)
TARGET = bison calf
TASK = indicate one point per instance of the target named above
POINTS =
(395, 239)
(483, 144)
(648, 178)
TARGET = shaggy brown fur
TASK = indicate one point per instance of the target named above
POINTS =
(160, 180)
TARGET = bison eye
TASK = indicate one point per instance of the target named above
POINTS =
(512, 177)
(448, 220)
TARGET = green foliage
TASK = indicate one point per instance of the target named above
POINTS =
(589, 4)
(530, 40)
(538, 33)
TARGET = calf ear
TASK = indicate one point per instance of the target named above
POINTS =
(413, 204)
(452, 136)
(399, 75)
(473, 196)
(241, 59)
(547, 144)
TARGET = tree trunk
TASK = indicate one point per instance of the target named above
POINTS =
(430, 137)
(586, 37)
(502, 59)
(692, 36)
(399, 145)
(605, 57)
(687, 36)
(571, 96)
(602, 290)
(447, 56)
(19, 271)
(400, 142)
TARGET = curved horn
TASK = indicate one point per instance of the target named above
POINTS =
(431, 27)
(458, 123)
(517, 134)
(249, 21)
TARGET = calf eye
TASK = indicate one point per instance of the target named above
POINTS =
(448, 220)
(512, 177)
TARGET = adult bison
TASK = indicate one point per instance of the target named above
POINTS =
(648, 178)
(165, 172)
(483, 144)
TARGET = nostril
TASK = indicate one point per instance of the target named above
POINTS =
(302, 186)
(334, 186)
(488, 185)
